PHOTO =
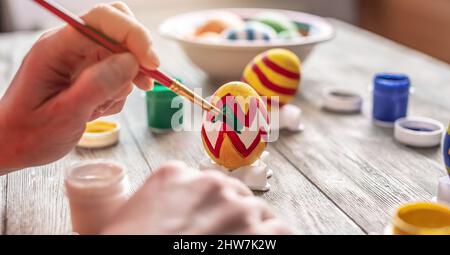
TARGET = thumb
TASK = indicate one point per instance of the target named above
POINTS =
(101, 82)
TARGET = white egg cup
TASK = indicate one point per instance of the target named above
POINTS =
(255, 176)
(443, 192)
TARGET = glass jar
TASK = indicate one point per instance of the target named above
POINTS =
(95, 190)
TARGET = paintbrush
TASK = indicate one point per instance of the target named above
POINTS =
(115, 47)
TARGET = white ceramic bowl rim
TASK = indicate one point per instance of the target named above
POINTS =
(178, 27)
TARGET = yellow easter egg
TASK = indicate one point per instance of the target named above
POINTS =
(239, 136)
(275, 74)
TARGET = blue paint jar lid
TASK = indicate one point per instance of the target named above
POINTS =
(391, 83)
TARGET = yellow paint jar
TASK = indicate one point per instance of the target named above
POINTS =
(99, 134)
(422, 218)
(100, 126)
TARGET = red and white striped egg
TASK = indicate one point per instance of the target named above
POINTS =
(275, 74)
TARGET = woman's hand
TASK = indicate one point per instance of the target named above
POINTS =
(67, 80)
(180, 200)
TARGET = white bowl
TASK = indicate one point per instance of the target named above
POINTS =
(225, 59)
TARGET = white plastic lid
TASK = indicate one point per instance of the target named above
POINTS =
(418, 131)
(342, 100)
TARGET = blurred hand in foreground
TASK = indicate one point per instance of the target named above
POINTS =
(181, 200)
(67, 80)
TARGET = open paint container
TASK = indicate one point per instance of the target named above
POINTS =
(390, 98)
(342, 101)
(96, 190)
(421, 218)
(418, 131)
(99, 134)
(164, 113)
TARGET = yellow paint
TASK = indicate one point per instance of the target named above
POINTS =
(422, 218)
(100, 126)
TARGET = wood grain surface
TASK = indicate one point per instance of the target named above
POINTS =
(342, 175)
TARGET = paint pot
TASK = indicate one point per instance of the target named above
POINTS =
(422, 218)
(418, 131)
(162, 105)
(342, 101)
(446, 151)
(95, 190)
(390, 98)
(99, 134)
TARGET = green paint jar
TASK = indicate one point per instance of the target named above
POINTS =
(160, 110)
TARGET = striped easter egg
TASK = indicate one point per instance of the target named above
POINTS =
(240, 138)
(252, 31)
(219, 22)
(274, 74)
(278, 21)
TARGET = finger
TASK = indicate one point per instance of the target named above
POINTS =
(83, 46)
(125, 30)
(174, 166)
(172, 170)
(100, 83)
(254, 210)
(260, 209)
(231, 183)
(115, 108)
(124, 93)
(273, 227)
(143, 82)
(100, 110)
(121, 6)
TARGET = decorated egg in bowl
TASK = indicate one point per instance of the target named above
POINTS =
(219, 22)
(251, 31)
(275, 74)
(276, 20)
(239, 136)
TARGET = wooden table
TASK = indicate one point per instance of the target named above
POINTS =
(342, 175)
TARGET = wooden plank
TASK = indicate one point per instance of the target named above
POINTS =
(292, 197)
(36, 203)
(9, 62)
(36, 200)
(359, 166)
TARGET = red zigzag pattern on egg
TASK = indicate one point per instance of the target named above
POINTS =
(249, 119)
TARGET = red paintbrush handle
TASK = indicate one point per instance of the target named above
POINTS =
(159, 76)
(101, 39)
